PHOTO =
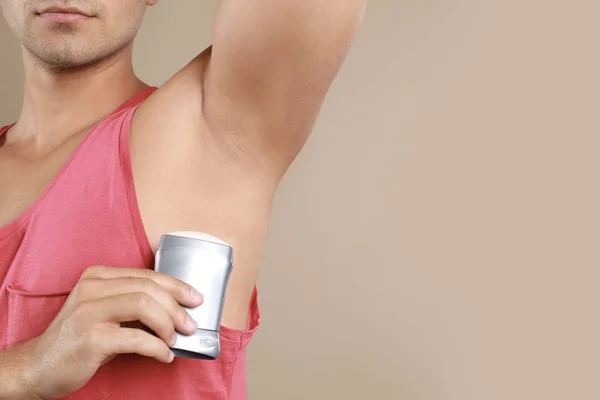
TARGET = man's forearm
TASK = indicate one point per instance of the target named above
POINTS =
(16, 375)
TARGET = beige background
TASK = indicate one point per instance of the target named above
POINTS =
(438, 238)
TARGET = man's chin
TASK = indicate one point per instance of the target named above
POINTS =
(60, 60)
(68, 52)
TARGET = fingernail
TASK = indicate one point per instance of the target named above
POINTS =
(196, 295)
(171, 356)
(189, 321)
(173, 339)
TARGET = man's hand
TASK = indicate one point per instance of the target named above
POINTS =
(87, 332)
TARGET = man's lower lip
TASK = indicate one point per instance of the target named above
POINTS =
(64, 17)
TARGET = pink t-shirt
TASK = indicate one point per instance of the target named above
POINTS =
(89, 216)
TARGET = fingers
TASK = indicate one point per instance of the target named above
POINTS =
(130, 307)
(103, 288)
(182, 292)
(135, 341)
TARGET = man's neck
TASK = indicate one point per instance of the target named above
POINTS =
(59, 104)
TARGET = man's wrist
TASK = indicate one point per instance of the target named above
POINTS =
(17, 373)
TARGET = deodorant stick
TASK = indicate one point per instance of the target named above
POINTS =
(205, 263)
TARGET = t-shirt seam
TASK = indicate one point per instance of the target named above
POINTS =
(8, 322)
(233, 368)
(124, 186)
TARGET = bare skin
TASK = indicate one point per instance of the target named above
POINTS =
(242, 110)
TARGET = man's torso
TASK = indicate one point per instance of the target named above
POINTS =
(69, 209)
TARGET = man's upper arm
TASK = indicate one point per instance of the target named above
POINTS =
(261, 84)
(271, 66)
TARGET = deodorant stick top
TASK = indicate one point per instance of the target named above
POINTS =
(199, 235)
(209, 249)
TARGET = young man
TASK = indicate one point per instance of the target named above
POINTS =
(205, 152)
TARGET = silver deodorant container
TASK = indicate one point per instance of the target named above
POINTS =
(205, 263)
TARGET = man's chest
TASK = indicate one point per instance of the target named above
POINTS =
(52, 238)
(21, 184)
(63, 210)
(25, 175)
